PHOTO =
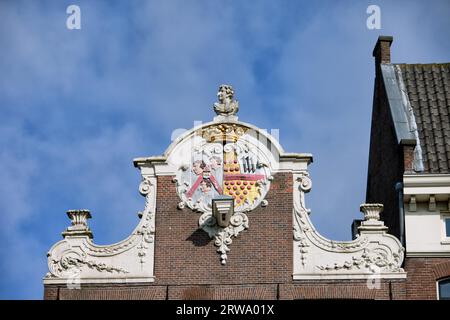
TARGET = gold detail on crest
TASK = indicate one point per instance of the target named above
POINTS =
(223, 132)
(238, 187)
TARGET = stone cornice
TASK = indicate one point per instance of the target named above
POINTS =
(426, 184)
(428, 254)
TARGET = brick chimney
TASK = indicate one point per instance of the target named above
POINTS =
(382, 50)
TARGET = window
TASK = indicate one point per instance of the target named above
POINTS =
(444, 289)
(447, 227)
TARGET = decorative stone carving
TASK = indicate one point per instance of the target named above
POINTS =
(236, 169)
(368, 259)
(316, 257)
(223, 132)
(76, 259)
(79, 225)
(223, 236)
(227, 105)
(432, 203)
(412, 204)
(73, 260)
(221, 159)
(371, 211)
(145, 187)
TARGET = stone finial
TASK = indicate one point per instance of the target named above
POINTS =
(79, 226)
(371, 211)
(372, 220)
(226, 106)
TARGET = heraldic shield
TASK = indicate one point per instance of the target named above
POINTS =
(224, 162)
(224, 159)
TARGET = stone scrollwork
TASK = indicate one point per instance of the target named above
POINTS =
(72, 261)
(317, 257)
(305, 182)
(145, 187)
(370, 258)
(223, 236)
(77, 257)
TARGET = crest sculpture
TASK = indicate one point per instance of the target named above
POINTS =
(226, 106)
(224, 159)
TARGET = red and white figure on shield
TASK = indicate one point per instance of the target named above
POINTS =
(234, 169)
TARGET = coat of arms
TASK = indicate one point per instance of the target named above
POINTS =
(223, 164)
(223, 160)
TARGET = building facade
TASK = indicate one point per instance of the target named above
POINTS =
(409, 166)
(225, 217)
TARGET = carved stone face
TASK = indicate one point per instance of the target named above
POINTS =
(225, 93)
(205, 186)
(221, 95)
(198, 166)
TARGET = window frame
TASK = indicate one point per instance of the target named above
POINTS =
(445, 239)
(446, 279)
(447, 235)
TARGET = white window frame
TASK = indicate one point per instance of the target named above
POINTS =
(445, 215)
(437, 286)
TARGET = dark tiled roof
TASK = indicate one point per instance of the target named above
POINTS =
(428, 88)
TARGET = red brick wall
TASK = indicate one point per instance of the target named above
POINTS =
(184, 254)
(344, 289)
(408, 158)
(106, 292)
(224, 292)
(423, 274)
(386, 163)
(382, 50)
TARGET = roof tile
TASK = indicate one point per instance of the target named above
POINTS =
(428, 87)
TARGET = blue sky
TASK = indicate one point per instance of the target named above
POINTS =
(76, 106)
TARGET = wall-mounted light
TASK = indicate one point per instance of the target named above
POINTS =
(223, 209)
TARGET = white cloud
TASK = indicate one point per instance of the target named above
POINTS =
(77, 106)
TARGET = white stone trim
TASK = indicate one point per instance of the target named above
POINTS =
(374, 254)
(426, 184)
(445, 238)
(77, 260)
(340, 276)
(103, 280)
(186, 134)
(437, 290)
(428, 254)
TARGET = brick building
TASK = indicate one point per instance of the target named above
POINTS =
(409, 165)
(225, 215)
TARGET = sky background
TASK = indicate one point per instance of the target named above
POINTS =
(76, 106)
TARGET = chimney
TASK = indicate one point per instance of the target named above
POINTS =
(382, 50)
